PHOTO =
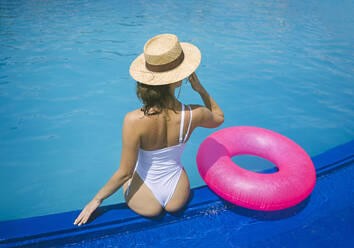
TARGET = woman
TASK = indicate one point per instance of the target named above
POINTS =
(155, 135)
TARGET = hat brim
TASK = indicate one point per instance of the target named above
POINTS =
(190, 63)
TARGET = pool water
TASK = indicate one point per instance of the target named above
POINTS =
(210, 221)
(287, 66)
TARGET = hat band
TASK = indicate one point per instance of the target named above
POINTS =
(166, 67)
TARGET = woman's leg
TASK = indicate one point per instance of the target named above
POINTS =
(140, 198)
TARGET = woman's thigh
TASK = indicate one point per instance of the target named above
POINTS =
(140, 198)
(180, 195)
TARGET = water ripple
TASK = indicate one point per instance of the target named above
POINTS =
(64, 78)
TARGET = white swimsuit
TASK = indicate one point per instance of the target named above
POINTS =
(160, 169)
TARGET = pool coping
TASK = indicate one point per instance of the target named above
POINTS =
(118, 218)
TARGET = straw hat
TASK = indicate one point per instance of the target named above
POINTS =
(165, 60)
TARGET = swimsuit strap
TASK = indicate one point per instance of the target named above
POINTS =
(189, 125)
(181, 125)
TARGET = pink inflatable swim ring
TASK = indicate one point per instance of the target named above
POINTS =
(287, 187)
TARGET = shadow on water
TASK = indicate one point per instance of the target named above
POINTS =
(267, 215)
(123, 206)
(220, 203)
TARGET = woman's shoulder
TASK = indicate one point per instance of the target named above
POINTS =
(134, 115)
(195, 106)
(197, 109)
(133, 119)
(199, 112)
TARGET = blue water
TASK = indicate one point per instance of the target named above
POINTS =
(287, 66)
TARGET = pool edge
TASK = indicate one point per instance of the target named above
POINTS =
(118, 218)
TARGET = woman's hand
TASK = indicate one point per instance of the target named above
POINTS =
(193, 79)
(87, 211)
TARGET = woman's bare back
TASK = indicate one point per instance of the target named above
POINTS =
(160, 131)
(157, 132)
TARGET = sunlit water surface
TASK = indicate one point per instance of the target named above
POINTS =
(287, 66)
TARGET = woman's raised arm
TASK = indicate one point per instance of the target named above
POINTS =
(211, 115)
